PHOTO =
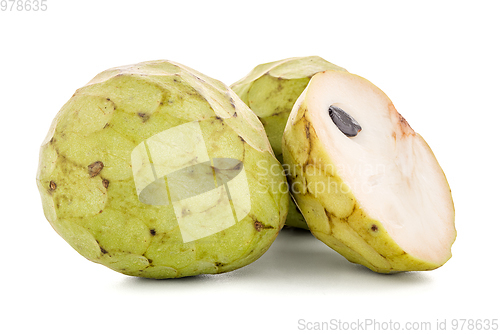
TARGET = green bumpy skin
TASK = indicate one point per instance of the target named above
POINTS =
(86, 180)
(335, 217)
(271, 90)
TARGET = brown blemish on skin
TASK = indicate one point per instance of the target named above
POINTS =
(103, 250)
(143, 116)
(258, 226)
(327, 213)
(198, 78)
(374, 228)
(52, 186)
(105, 183)
(152, 232)
(95, 168)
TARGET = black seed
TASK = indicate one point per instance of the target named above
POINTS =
(348, 125)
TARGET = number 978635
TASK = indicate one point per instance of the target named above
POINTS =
(23, 5)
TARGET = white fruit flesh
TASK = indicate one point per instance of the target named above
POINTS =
(390, 169)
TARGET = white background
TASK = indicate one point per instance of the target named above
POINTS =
(437, 60)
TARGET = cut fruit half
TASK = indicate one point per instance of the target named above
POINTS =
(368, 185)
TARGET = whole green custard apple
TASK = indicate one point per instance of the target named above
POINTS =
(156, 170)
(271, 90)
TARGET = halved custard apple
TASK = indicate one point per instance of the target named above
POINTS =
(368, 185)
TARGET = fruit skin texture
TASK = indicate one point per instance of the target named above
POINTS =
(271, 90)
(335, 217)
(86, 181)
